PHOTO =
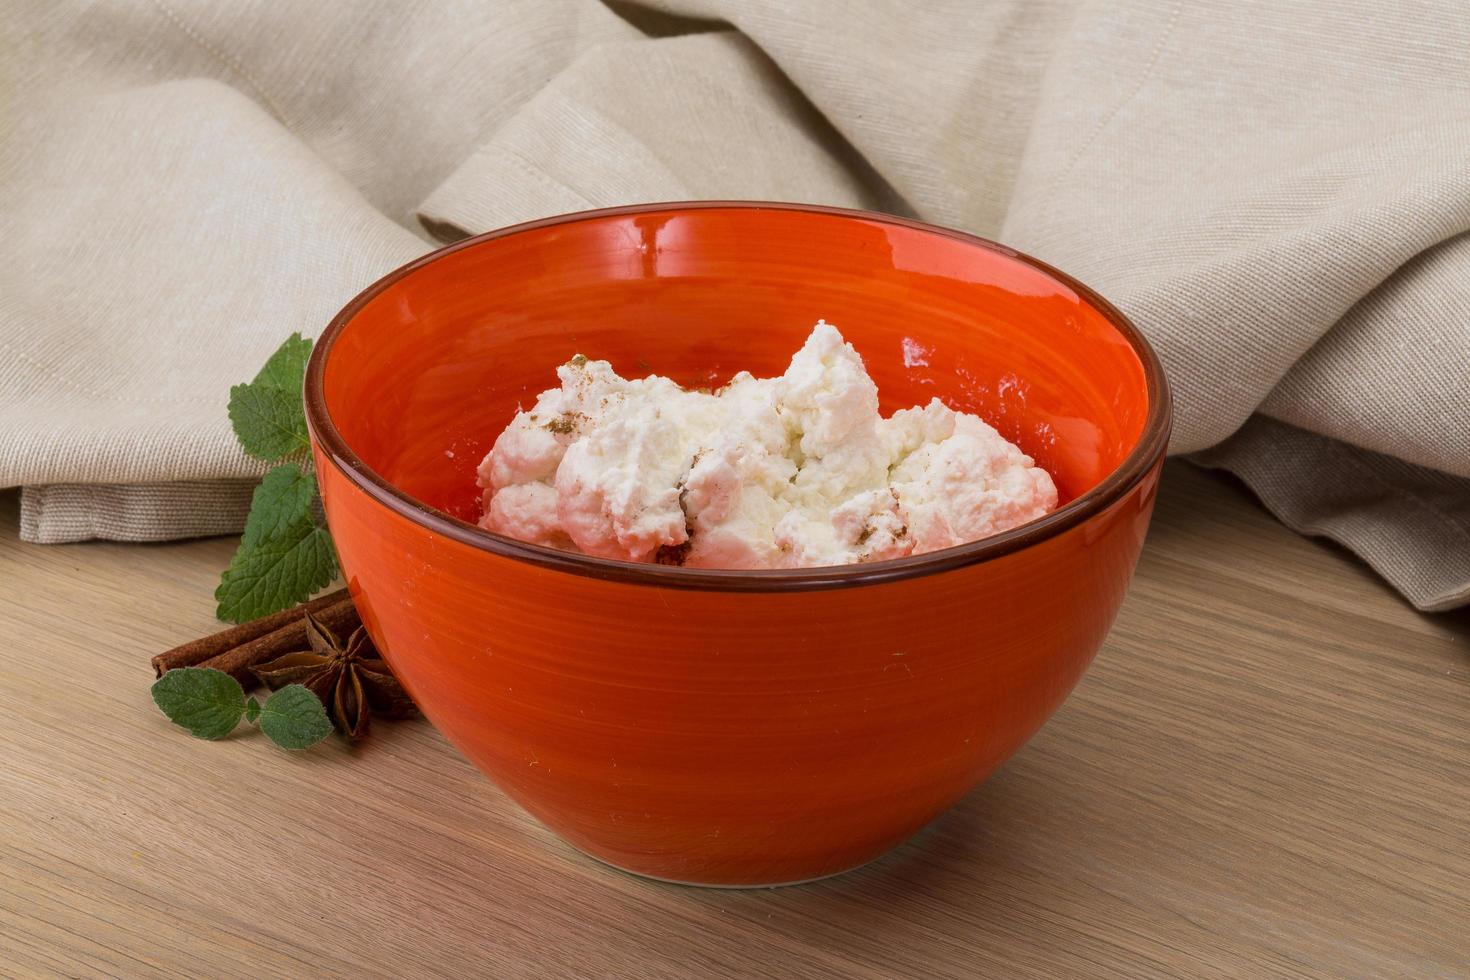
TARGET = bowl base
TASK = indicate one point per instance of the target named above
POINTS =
(722, 885)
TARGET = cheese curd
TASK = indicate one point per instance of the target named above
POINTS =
(794, 471)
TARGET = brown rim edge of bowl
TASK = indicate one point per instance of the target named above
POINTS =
(1152, 441)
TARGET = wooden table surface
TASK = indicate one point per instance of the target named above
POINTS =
(1266, 772)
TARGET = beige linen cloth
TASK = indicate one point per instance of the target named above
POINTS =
(1278, 193)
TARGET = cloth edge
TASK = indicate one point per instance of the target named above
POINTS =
(1410, 524)
(65, 513)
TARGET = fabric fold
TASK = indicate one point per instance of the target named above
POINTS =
(1410, 523)
(631, 122)
(66, 512)
(163, 241)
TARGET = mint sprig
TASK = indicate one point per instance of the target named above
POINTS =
(210, 703)
(286, 552)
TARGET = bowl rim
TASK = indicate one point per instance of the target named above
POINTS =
(1152, 442)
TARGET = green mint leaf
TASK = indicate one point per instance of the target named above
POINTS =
(206, 702)
(294, 718)
(252, 710)
(287, 366)
(276, 574)
(282, 501)
(267, 414)
(269, 422)
(285, 554)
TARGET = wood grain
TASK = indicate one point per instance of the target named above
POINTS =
(1265, 773)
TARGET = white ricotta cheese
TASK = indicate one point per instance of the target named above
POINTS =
(784, 472)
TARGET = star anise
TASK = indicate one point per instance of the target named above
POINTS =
(352, 682)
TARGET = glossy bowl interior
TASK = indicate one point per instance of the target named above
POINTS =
(727, 727)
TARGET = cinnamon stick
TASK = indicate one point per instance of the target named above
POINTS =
(340, 618)
(197, 651)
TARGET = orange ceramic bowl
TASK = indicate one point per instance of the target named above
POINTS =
(731, 727)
